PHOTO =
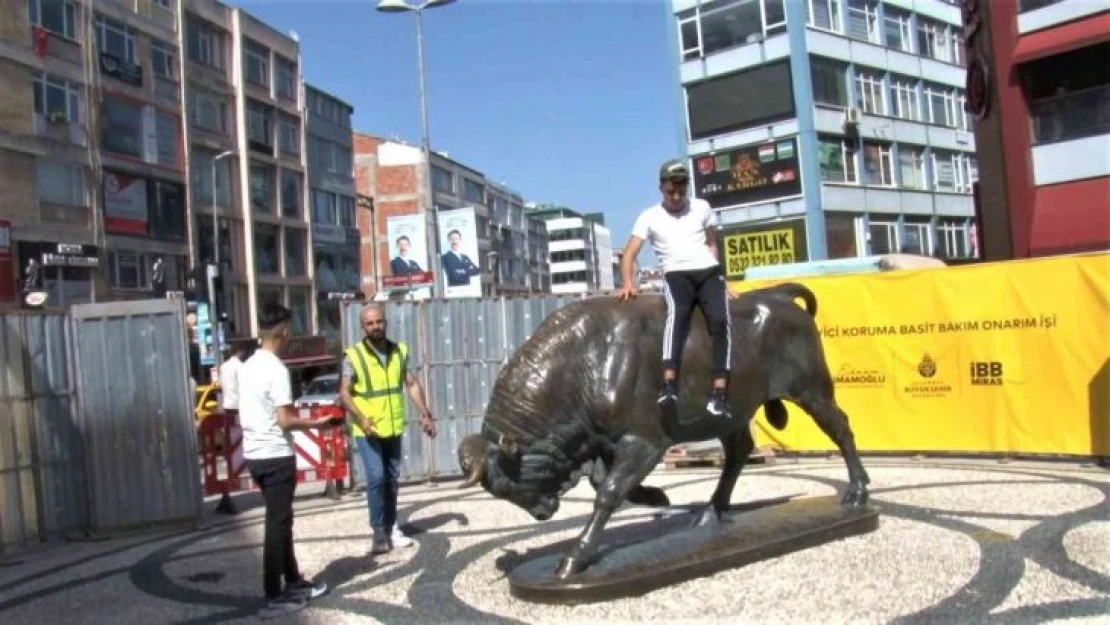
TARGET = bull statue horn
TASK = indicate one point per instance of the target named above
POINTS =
(472, 452)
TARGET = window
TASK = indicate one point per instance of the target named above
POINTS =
(290, 194)
(201, 176)
(129, 270)
(838, 163)
(1024, 6)
(207, 111)
(60, 183)
(57, 99)
(204, 44)
(952, 238)
(840, 235)
(473, 191)
(262, 189)
(940, 103)
(903, 98)
(298, 306)
(285, 78)
(882, 237)
(266, 246)
(824, 14)
(258, 122)
(726, 24)
(830, 81)
(116, 39)
(347, 211)
(877, 165)
(162, 59)
(953, 172)
(933, 40)
(57, 16)
(204, 241)
(911, 167)
(869, 93)
(1069, 94)
(256, 64)
(294, 252)
(323, 207)
(289, 135)
(916, 237)
(122, 127)
(896, 25)
(167, 214)
(166, 138)
(443, 180)
(863, 21)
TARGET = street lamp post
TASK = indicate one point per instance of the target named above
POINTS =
(213, 307)
(401, 6)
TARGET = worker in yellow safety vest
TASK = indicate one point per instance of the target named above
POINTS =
(375, 370)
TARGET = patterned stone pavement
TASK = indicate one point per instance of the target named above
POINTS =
(958, 542)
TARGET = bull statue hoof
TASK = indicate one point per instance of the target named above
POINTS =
(855, 497)
(570, 566)
(710, 515)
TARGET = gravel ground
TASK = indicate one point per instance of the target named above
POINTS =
(958, 542)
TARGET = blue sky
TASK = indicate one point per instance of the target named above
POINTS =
(568, 101)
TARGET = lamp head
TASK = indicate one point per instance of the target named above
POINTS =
(394, 6)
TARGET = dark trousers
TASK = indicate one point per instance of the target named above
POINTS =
(381, 457)
(706, 289)
(277, 477)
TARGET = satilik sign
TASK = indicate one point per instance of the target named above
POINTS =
(778, 243)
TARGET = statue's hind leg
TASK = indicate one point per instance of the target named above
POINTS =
(738, 448)
(834, 423)
(634, 457)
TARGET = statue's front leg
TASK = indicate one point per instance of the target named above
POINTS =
(633, 460)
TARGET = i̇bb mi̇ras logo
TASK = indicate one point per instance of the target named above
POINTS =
(985, 373)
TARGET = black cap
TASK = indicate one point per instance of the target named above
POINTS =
(674, 170)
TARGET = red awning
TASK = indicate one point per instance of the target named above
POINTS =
(1061, 39)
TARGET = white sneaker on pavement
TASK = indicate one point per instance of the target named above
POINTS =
(400, 540)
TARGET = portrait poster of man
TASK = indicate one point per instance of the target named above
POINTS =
(458, 244)
(408, 249)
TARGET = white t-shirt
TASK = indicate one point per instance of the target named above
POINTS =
(263, 386)
(229, 383)
(678, 240)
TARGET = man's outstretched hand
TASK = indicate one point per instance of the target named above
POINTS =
(627, 293)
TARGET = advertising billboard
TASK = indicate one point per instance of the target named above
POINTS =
(408, 256)
(777, 243)
(753, 173)
(459, 262)
(125, 203)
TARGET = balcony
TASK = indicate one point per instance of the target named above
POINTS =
(1074, 115)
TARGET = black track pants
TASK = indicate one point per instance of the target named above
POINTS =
(706, 288)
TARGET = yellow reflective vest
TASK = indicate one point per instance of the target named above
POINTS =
(377, 389)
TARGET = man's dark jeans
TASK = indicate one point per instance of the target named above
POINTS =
(277, 477)
(381, 457)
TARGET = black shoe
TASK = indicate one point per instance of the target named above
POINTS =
(718, 403)
(669, 392)
(307, 590)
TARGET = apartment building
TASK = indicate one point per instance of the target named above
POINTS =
(832, 128)
(1041, 74)
(507, 249)
(580, 249)
(91, 171)
(336, 241)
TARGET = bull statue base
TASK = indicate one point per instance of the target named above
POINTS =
(579, 398)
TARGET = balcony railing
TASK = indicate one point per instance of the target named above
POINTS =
(1072, 115)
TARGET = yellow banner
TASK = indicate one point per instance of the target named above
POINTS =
(997, 357)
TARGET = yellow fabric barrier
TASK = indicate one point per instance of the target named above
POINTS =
(997, 357)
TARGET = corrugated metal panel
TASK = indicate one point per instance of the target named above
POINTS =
(42, 494)
(136, 413)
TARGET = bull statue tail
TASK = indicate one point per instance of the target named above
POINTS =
(775, 411)
(793, 290)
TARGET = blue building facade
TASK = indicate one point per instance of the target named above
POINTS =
(824, 129)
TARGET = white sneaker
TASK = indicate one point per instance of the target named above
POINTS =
(400, 540)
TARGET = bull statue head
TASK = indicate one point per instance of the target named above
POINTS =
(506, 472)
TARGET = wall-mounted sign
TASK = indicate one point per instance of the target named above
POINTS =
(754, 173)
(778, 243)
(125, 203)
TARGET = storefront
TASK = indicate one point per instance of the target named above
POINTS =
(65, 272)
(336, 251)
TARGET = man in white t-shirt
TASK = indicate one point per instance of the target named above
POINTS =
(681, 231)
(229, 378)
(267, 418)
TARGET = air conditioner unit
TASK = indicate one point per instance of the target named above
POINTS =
(851, 116)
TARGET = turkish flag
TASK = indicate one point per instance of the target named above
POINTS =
(41, 40)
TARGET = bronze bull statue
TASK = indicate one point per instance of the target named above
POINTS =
(581, 392)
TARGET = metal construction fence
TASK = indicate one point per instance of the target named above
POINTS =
(96, 423)
(457, 348)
